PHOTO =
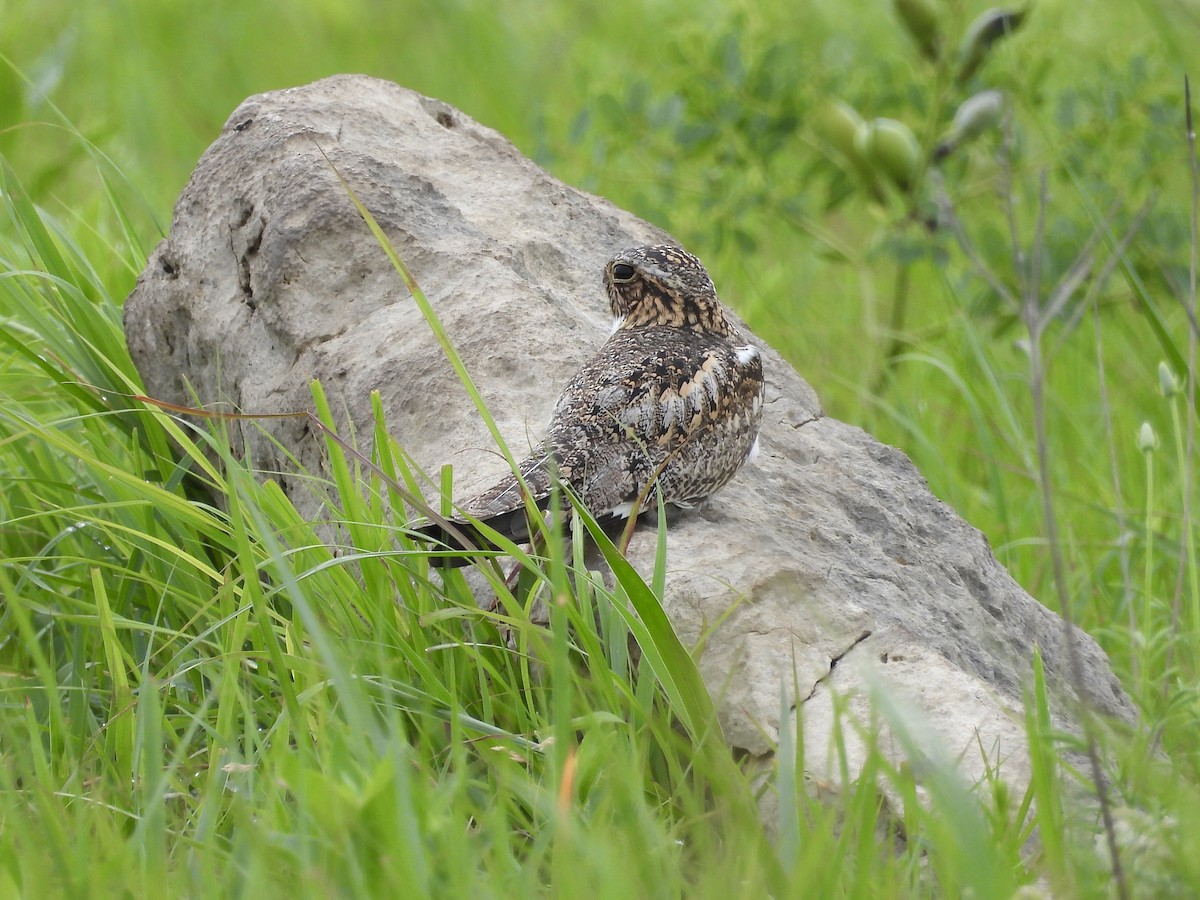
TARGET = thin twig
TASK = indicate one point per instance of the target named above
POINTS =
(1035, 316)
(896, 338)
(454, 529)
(1190, 307)
(1035, 323)
(1122, 528)
(1085, 261)
(1008, 195)
(1031, 307)
(1090, 299)
(948, 217)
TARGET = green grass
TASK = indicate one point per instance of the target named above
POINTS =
(198, 700)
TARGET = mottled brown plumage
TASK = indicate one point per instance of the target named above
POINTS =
(674, 392)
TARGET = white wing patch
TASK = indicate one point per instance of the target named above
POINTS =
(622, 510)
(753, 454)
(746, 355)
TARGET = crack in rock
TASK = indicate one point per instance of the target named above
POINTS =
(833, 662)
(807, 421)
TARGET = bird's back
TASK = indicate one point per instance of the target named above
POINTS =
(659, 402)
(673, 398)
(653, 402)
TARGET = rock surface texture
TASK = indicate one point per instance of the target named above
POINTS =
(834, 556)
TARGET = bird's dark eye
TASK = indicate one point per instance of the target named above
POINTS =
(622, 273)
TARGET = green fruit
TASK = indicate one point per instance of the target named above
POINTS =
(986, 30)
(975, 116)
(837, 123)
(892, 149)
(863, 138)
(922, 19)
(840, 125)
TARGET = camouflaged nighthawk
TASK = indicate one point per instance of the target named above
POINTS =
(674, 394)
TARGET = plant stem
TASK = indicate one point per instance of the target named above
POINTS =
(1036, 386)
(1035, 323)
(1187, 556)
(896, 340)
(1142, 627)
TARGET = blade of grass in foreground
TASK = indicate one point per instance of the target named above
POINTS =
(676, 671)
(966, 858)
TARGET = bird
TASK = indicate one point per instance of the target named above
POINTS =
(673, 399)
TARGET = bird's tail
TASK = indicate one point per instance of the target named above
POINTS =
(466, 537)
(501, 510)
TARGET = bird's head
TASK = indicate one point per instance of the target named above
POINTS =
(663, 285)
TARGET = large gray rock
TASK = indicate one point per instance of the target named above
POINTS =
(831, 552)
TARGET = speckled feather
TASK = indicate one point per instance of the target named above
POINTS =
(673, 392)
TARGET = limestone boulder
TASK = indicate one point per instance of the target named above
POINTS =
(826, 562)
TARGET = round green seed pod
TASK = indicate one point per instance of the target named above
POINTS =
(891, 147)
(837, 122)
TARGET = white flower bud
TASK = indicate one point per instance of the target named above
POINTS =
(1168, 384)
(1147, 440)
